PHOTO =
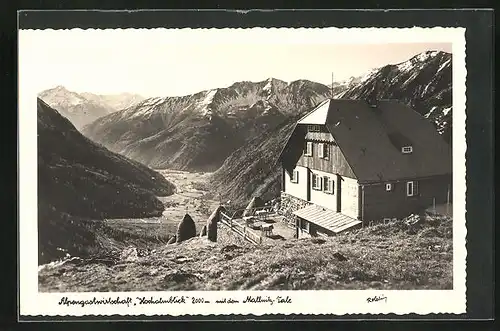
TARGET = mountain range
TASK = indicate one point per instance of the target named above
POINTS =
(198, 132)
(79, 179)
(84, 108)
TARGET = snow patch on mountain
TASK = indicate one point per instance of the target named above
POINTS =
(268, 85)
(420, 58)
(146, 107)
(367, 75)
(433, 109)
(205, 103)
(444, 65)
(446, 111)
(425, 56)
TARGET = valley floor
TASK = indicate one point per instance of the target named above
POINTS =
(191, 197)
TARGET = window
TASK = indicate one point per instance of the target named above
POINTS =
(407, 149)
(328, 185)
(411, 188)
(388, 187)
(295, 177)
(313, 128)
(309, 148)
(316, 182)
(323, 150)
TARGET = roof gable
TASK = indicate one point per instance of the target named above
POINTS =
(318, 115)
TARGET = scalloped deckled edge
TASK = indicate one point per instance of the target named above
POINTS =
(316, 303)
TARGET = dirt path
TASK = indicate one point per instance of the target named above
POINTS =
(191, 197)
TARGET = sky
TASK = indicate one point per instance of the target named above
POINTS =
(152, 64)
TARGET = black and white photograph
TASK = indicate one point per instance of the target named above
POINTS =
(243, 162)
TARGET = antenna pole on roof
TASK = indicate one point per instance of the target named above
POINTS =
(331, 91)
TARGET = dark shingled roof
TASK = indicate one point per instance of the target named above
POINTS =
(370, 139)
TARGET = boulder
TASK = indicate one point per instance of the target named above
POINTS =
(129, 254)
(339, 256)
(186, 229)
(172, 240)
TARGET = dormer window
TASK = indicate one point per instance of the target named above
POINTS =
(407, 149)
(309, 148)
(313, 128)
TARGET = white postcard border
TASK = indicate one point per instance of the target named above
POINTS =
(338, 302)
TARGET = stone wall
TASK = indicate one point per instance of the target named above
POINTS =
(289, 204)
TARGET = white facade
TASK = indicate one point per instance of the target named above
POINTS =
(298, 189)
(321, 197)
(345, 186)
(350, 197)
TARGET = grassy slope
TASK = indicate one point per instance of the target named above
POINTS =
(78, 179)
(391, 256)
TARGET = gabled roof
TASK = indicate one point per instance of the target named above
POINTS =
(366, 137)
(371, 138)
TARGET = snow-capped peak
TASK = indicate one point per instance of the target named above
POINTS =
(268, 85)
(145, 107)
(419, 58)
(61, 96)
(367, 75)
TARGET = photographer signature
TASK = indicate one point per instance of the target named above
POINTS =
(377, 298)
